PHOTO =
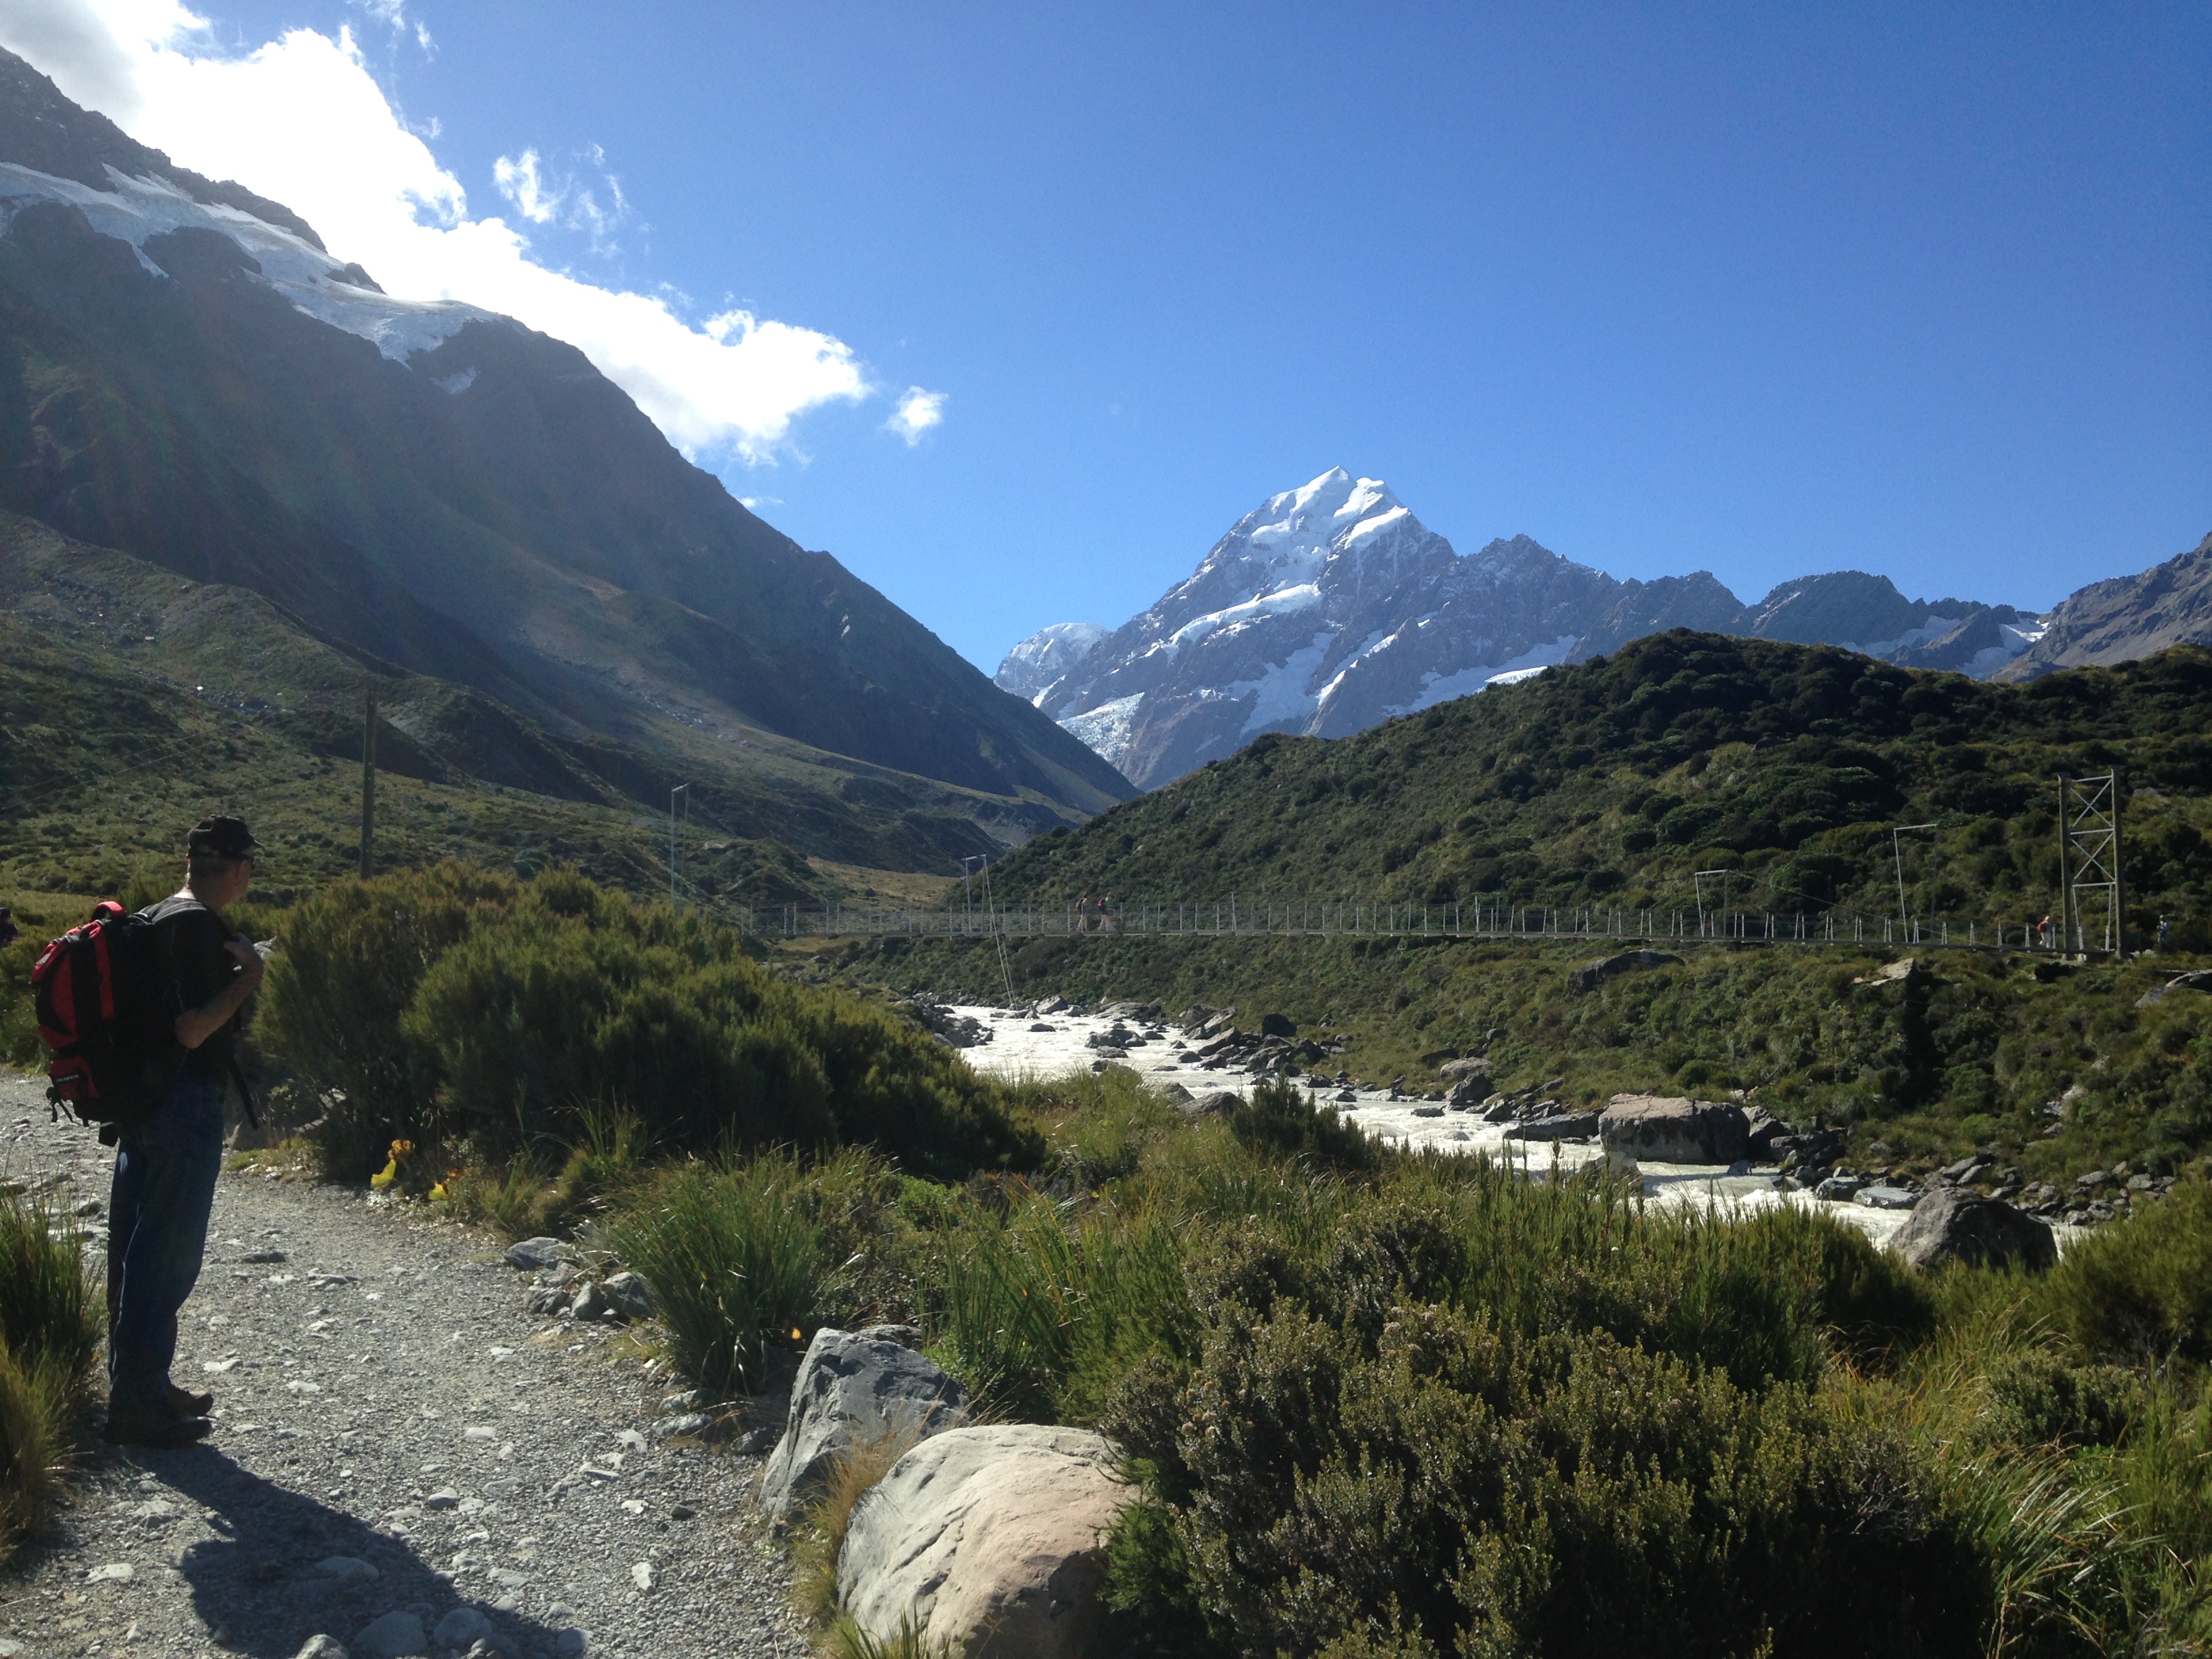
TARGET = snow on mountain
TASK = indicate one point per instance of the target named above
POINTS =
(1331, 608)
(137, 209)
(1045, 656)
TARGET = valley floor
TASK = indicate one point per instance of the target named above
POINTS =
(394, 1433)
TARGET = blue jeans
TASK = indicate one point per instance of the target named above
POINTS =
(157, 1226)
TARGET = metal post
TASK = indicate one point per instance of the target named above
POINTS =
(683, 789)
(2119, 904)
(368, 786)
(2065, 877)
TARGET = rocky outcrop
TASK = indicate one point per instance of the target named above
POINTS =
(1952, 1224)
(1669, 1129)
(856, 1389)
(2126, 618)
(989, 1540)
(1581, 981)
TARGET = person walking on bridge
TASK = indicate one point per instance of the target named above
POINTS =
(166, 1163)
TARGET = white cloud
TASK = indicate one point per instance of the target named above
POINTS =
(301, 121)
(917, 412)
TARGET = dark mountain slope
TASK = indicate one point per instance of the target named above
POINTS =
(177, 399)
(1612, 781)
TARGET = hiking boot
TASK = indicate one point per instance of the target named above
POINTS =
(154, 1428)
(184, 1403)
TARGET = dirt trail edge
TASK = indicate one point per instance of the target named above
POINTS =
(395, 1434)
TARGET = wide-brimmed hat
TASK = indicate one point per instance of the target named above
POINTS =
(223, 837)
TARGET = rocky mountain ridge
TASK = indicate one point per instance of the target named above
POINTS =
(1331, 608)
(2125, 618)
(186, 375)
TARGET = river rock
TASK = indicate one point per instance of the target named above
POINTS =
(1673, 1129)
(1277, 1025)
(853, 1389)
(1953, 1224)
(1218, 1104)
(316, 1647)
(990, 1541)
(1555, 1125)
(1581, 981)
(1883, 1196)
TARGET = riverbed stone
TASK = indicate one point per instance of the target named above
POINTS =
(1555, 1125)
(989, 1539)
(536, 1255)
(1953, 1224)
(395, 1636)
(1675, 1129)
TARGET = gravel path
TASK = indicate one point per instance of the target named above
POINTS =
(394, 1434)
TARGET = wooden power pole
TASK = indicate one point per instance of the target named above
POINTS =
(368, 787)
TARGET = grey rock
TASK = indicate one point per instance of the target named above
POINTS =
(395, 1636)
(591, 1301)
(1555, 1125)
(1175, 1094)
(534, 1255)
(628, 1296)
(1277, 1025)
(855, 1389)
(1218, 1103)
(1428, 1111)
(1582, 981)
(1761, 1130)
(988, 1541)
(444, 1498)
(463, 1627)
(550, 1299)
(1840, 1189)
(322, 1647)
(1882, 1196)
(1471, 1066)
(1674, 1129)
(1953, 1224)
(571, 1644)
(348, 1569)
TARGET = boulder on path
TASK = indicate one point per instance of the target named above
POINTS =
(1589, 977)
(990, 1541)
(1674, 1129)
(1953, 1224)
(856, 1389)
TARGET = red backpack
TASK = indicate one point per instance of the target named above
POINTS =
(101, 1015)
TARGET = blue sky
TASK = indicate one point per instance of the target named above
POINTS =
(1921, 290)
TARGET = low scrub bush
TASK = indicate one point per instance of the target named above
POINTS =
(51, 1331)
(1278, 1121)
(482, 1018)
(2144, 1290)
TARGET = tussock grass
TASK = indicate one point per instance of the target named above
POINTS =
(823, 1540)
(51, 1331)
(736, 1262)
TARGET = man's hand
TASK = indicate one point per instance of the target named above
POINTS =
(249, 959)
(196, 1025)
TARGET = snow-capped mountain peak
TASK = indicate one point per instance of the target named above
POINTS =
(1330, 607)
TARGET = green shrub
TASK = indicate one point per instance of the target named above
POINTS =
(1447, 1486)
(353, 956)
(2036, 1398)
(735, 1261)
(19, 1026)
(1278, 1121)
(480, 1017)
(577, 996)
(2142, 1290)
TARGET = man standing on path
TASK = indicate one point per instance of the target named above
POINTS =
(165, 1163)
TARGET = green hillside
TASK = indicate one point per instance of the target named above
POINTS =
(1610, 782)
(133, 701)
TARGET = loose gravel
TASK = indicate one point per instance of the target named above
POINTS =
(398, 1447)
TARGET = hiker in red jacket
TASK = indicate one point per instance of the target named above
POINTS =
(165, 1163)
